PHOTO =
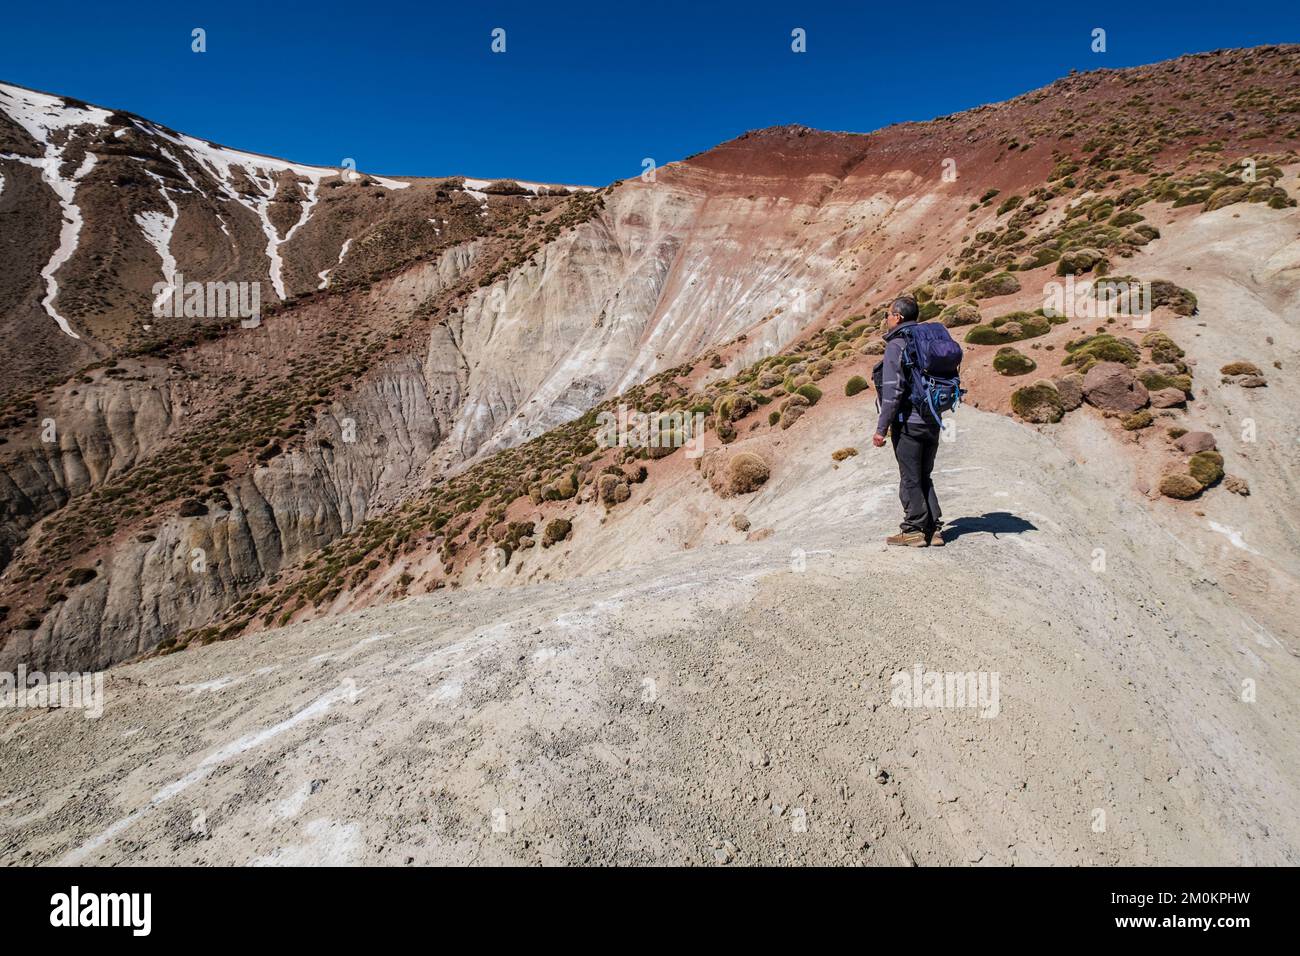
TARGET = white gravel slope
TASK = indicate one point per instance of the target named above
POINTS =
(721, 705)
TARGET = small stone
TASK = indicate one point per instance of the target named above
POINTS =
(1237, 485)
(1070, 388)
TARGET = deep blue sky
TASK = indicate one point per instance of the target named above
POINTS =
(584, 90)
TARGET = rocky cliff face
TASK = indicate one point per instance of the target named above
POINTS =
(161, 472)
(186, 570)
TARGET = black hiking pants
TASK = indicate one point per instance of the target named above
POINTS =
(915, 447)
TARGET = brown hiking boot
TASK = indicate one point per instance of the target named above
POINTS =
(907, 539)
(935, 539)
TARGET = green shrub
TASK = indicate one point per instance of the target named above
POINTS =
(963, 313)
(1086, 352)
(1206, 467)
(1192, 198)
(1079, 261)
(1139, 419)
(734, 406)
(810, 392)
(1180, 485)
(1154, 380)
(1039, 403)
(1001, 283)
(1012, 327)
(1011, 361)
(561, 489)
(1180, 300)
(1226, 197)
(855, 385)
(557, 530)
(1040, 257)
(1164, 350)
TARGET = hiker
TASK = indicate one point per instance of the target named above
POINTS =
(915, 383)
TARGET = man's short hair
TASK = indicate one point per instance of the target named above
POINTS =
(906, 308)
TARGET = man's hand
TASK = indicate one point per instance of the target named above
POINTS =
(878, 441)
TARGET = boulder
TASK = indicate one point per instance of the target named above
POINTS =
(1070, 388)
(1194, 442)
(1114, 387)
(1168, 398)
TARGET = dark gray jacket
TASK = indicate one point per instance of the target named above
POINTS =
(893, 395)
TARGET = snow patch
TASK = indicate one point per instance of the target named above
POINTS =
(477, 185)
(158, 228)
(221, 162)
(324, 274)
(42, 115)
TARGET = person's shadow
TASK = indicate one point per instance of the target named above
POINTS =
(995, 523)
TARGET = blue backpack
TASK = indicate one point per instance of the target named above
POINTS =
(932, 361)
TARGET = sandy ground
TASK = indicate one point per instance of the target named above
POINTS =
(728, 704)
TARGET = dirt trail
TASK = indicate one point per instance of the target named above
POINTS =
(728, 704)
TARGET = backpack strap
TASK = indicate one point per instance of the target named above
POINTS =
(907, 364)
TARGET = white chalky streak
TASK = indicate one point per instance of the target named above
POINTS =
(211, 762)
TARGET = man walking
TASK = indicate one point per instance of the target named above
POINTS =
(913, 429)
